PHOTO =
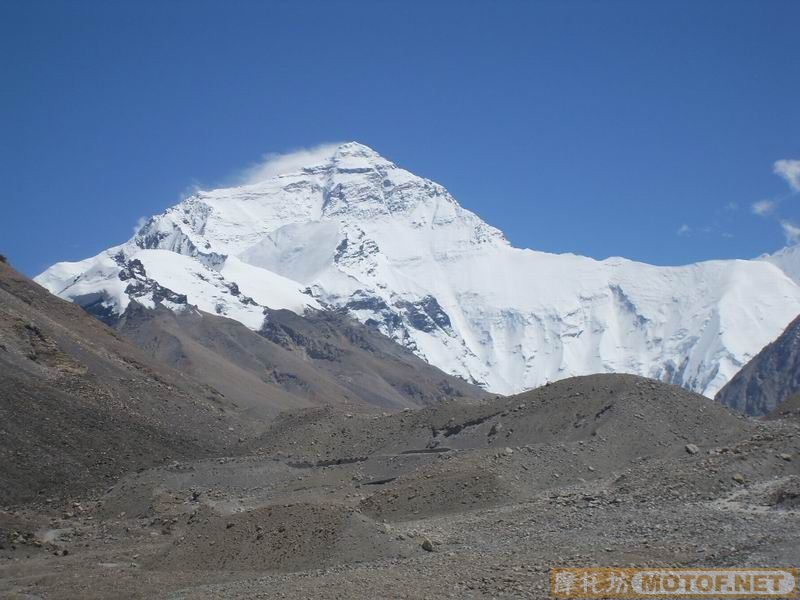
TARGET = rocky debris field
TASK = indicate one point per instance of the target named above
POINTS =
(473, 500)
(81, 404)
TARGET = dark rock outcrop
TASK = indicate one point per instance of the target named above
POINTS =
(769, 379)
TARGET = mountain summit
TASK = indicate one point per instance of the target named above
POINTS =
(347, 229)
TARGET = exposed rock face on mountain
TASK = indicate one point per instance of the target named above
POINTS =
(351, 230)
(769, 379)
(321, 358)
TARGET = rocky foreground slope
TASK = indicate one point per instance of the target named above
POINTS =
(348, 229)
(450, 501)
(80, 403)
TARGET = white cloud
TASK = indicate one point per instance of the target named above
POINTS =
(189, 190)
(684, 230)
(790, 171)
(140, 222)
(277, 164)
(763, 207)
(791, 231)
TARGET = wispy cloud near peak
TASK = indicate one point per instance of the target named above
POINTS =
(279, 163)
(790, 171)
(791, 231)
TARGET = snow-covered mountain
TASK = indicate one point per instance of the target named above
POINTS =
(351, 230)
(788, 260)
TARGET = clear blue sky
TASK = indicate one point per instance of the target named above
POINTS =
(593, 127)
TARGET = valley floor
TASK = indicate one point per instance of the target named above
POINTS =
(448, 502)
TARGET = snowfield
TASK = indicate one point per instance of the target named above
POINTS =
(356, 232)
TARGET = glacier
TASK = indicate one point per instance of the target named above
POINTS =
(353, 231)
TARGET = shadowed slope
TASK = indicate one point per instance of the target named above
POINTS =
(79, 404)
(771, 377)
(296, 361)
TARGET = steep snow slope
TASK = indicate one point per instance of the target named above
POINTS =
(788, 260)
(106, 284)
(396, 251)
